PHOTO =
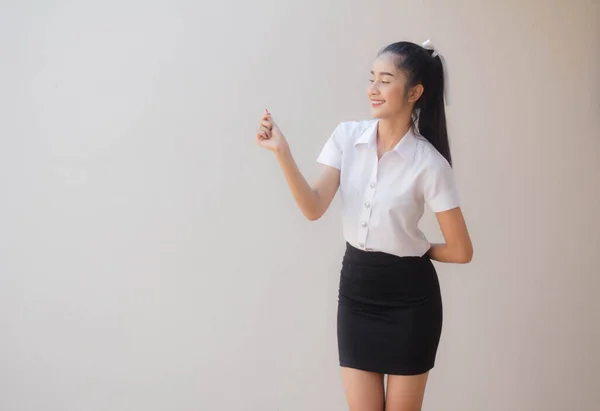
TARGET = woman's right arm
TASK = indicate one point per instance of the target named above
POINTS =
(313, 201)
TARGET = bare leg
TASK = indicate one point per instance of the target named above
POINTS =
(405, 392)
(364, 390)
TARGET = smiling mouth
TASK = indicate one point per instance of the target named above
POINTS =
(377, 103)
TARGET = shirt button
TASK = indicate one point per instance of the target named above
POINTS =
(372, 184)
(363, 223)
(367, 204)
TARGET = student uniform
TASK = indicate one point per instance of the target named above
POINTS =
(389, 304)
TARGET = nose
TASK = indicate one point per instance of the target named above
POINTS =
(373, 90)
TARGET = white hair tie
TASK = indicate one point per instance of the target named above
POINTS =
(429, 46)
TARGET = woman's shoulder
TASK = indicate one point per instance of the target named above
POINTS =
(429, 157)
(349, 131)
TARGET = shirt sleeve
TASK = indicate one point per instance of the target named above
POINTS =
(331, 153)
(441, 193)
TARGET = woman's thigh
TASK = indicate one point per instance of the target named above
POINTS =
(364, 390)
(405, 392)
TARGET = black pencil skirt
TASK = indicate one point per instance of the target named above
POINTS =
(389, 313)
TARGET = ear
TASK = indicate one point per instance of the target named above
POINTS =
(415, 93)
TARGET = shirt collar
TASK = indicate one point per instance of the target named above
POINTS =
(406, 147)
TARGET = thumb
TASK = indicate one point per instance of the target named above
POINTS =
(275, 126)
(271, 118)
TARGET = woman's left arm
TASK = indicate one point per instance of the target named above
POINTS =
(457, 247)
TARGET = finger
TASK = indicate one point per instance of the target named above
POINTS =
(261, 136)
(268, 124)
(266, 131)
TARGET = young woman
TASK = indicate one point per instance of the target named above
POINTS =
(389, 305)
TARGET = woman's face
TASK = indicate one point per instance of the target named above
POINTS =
(386, 91)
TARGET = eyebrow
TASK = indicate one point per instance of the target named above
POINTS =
(384, 73)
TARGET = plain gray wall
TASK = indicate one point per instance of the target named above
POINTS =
(151, 257)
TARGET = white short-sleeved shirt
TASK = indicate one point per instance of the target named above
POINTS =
(383, 200)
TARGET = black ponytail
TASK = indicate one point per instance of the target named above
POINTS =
(429, 115)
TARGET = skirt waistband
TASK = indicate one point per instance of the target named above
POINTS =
(380, 259)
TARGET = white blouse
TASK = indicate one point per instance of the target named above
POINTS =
(383, 200)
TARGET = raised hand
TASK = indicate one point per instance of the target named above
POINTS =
(269, 135)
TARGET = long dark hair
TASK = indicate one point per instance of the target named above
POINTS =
(429, 115)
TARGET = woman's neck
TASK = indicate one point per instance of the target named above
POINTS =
(391, 131)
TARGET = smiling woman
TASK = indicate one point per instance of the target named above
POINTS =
(384, 78)
(387, 169)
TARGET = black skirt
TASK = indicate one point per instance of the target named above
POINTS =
(389, 313)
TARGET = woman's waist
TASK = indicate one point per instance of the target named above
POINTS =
(392, 240)
(379, 255)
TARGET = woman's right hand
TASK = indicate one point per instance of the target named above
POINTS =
(269, 135)
(313, 202)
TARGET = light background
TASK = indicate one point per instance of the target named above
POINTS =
(152, 258)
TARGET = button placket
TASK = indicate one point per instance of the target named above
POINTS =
(365, 214)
